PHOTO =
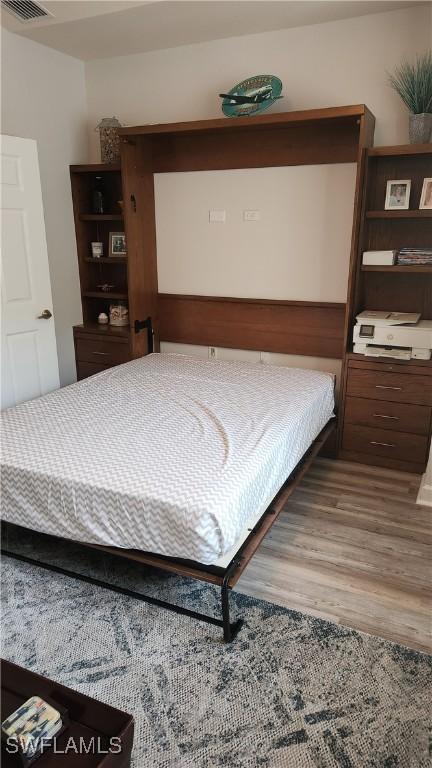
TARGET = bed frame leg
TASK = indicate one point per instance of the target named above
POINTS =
(230, 631)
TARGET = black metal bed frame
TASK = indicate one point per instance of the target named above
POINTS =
(230, 630)
(225, 578)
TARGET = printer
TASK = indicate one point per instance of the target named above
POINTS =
(399, 335)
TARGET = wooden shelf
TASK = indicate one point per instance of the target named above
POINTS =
(307, 137)
(106, 260)
(415, 214)
(392, 360)
(272, 119)
(415, 268)
(104, 295)
(105, 329)
(96, 168)
(402, 149)
(101, 216)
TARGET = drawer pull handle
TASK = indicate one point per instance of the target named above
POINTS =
(383, 386)
(386, 445)
(383, 416)
(100, 353)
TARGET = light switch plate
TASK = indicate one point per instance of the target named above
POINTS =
(251, 215)
(217, 217)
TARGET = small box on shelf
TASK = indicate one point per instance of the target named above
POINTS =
(381, 258)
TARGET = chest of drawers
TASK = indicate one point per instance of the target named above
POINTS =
(387, 414)
(99, 348)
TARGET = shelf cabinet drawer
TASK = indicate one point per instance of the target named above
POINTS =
(399, 417)
(101, 351)
(394, 387)
(385, 443)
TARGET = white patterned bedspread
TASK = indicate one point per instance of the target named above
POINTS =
(168, 453)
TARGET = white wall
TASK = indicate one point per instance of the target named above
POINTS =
(298, 249)
(341, 62)
(44, 98)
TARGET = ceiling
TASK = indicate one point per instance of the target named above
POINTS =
(106, 28)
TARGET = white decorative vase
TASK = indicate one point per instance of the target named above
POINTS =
(420, 128)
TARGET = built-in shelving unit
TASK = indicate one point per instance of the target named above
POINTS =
(96, 227)
(386, 408)
(99, 346)
(403, 288)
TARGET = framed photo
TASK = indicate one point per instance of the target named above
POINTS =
(426, 195)
(117, 244)
(398, 195)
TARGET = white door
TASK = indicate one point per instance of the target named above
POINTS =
(29, 365)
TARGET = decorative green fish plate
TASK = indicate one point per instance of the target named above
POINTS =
(251, 96)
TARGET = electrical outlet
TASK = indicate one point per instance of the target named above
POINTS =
(251, 215)
(212, 352)
(217, 217)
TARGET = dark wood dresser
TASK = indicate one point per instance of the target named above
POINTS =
(387, 413)
(99, 348)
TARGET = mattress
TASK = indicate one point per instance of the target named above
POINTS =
(168, 454)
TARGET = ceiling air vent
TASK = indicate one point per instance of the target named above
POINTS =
(25, 10)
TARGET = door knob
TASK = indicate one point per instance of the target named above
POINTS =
(46, 314)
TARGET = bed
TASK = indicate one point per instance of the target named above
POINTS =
(169, 455)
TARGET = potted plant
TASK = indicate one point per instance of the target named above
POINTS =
(413, 83)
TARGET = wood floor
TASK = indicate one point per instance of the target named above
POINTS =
(353, 547)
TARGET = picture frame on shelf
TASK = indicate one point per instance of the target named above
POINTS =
(398, 195)
(117, 244)
(426, 195)
(97, 249)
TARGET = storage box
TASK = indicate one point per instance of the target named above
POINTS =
(379, 258)
(106, 733)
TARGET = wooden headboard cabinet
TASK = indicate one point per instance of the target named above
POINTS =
(333, 135)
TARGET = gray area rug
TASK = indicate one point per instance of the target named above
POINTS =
(291, 690)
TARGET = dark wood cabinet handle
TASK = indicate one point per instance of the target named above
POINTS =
(383, 416)
(383, 386)
(100, 353)
(386, 445)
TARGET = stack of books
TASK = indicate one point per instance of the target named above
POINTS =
(415, 256)
(29, 729)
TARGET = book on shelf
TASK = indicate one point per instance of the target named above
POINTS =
(379, 258)
(415, 256)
